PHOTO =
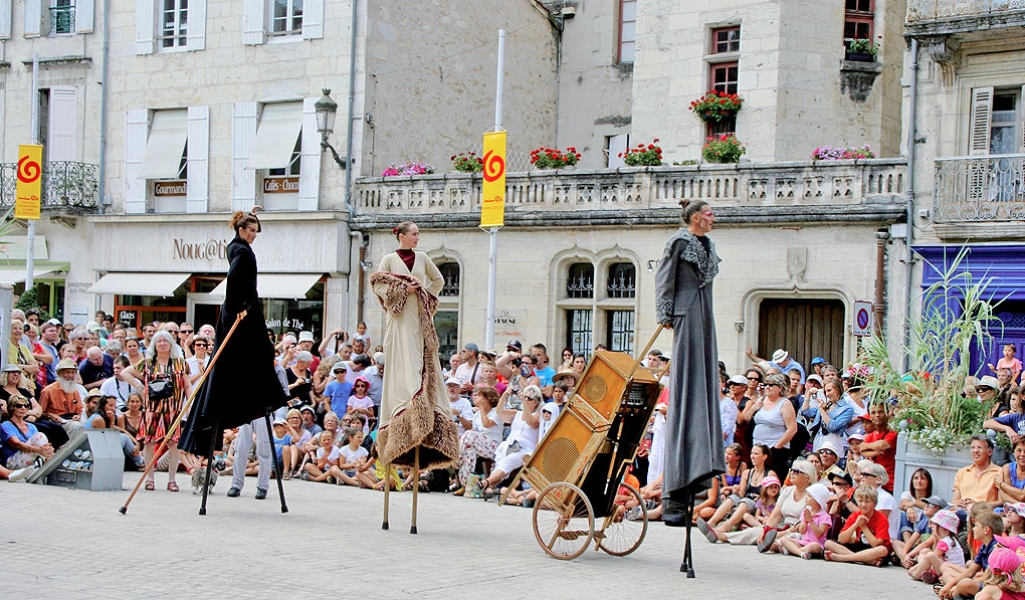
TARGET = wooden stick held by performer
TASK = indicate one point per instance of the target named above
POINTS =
(416, 428)
(683, 303)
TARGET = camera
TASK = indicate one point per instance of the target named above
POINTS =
(516, 362)
(514, 402)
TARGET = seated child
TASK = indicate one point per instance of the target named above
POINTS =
(1003, 579)
(326, 457)
(283, 445)
(352, 458)
(764, 506)
(915, 544)
(941, 547)
(967, 581)
(815, 522)
(865, 537)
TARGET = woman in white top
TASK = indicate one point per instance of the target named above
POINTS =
(856, 398)
(482, 438)
(523, 437)
(201, 347)
(775, 420)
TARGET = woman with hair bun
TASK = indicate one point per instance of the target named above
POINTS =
(683, 304)
(242, 385)
(415, 411)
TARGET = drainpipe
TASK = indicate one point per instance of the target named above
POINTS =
(104, 68)
(352, 102)
(361, 285)
(909, 239)
(881, 237)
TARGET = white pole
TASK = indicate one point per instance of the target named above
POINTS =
(30, 239)
(489, 336)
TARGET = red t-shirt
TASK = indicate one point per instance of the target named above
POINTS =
(879, 525)
(888, 458)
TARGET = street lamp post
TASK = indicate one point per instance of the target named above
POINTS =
(326, 109)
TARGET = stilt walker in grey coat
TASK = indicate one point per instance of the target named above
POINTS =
(683, 302)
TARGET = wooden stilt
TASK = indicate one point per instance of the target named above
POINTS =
(387, 493)
(416, 486)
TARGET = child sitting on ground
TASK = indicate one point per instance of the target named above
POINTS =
(326, 458)
(865, 537)
(967, 581)
(764, 506)
(282, 445)
(1003, 578)
(813, 526)
(352, 458)
(916, 543)
(941, 547)
(393, 474)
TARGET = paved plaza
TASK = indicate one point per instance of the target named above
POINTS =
(63, 543)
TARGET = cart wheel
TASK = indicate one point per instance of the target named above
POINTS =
(620, 535)
(563, 521)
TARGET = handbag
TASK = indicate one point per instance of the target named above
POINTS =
(159, 389)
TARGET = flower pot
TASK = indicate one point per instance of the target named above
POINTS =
(861, 56)
(942, 466)
(715, 116)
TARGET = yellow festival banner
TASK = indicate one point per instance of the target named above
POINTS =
(492, 210)
(30, 182)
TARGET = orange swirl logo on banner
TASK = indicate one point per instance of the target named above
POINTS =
(29, 187)
(492, 209)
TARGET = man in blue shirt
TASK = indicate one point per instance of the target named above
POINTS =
(542, 369)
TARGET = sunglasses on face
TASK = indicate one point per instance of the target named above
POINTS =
(359, 386)
(21, 405)
(201, 344)
(983, 388)
(796, 472)
(186, 331)
(868, 474)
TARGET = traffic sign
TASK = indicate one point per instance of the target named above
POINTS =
(864, 318)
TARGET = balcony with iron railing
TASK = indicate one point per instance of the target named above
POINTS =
(939, 17)
(68, 187)
(62, 20)
(870, 188)
(979, 189)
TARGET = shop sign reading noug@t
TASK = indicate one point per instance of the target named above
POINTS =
(210, 250)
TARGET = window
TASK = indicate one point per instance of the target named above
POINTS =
(725, 39)
(174, 23)
(1003, 138)
(292, 169)
(167, 160)
(62, 17)
(286, 17)
(580, 283)
(620, 328)
(859, 18)
(580, 335)
(724, 80)
(622, 281)
(627, 30)
(450, 272)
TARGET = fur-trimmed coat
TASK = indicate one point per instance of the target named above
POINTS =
(415, 410)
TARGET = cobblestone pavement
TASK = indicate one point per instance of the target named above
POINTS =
(65, 543)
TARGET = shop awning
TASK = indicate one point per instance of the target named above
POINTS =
(277, 286)
(275, 140)
(166, 144)
(13, 276)
(139, 284)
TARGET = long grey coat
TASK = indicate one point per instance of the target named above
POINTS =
(683, 298)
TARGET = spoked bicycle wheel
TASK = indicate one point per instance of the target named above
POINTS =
(621, 536)
(563, 521)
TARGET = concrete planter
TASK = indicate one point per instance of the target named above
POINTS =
(943, 467)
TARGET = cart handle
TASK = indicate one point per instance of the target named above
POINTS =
(651, 342)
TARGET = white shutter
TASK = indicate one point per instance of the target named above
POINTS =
(243, 132)
(313, 19)
(145, 23)
(33, 17)
(982, 118)
(198, 158)
(5, 19)
(84, 15)
(136, 130)
(309, 159)
(197, 25)
(253, 21)
(617, 145)
(1021, 120)
(62, 125)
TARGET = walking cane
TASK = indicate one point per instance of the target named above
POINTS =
(181, 415)
(209, 466)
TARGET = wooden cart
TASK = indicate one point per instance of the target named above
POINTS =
(578, 467)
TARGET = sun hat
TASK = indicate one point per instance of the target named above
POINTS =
(66, 365)
(305, 336)
(828, 445)
(1005, 561)
(563, 374)
(738, 380)
(770, 480)
(12, 368)
(1018, 507)
(780, 356)
(990, 382)
(819, 492)
(1011, 542)
(946, 519)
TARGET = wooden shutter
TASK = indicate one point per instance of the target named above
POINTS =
(197, 25)
(253, 21)
(243, 132)
(145, 23)
(309, 159)
(84, 15)
(136, 131)
(33, 17)
(197, 198)
(313, 19)
(5, 19)
(805, 329)
(62, 125)
(982, 117)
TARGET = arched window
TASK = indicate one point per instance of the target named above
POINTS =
(580, 282)
(450, 271)
(622, 282)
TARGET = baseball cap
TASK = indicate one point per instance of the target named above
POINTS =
(936, 501)
(379, 358)
(815, 378)
(453, 381)
(1004, 560)
(514, 344)
(307, 408)
(770, 480)
(738, 380)
(843, 476)
(471, 347)
(856, 436)
(280, 421)
(339, 366)
(818, 360)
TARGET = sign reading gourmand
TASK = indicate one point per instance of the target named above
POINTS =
(281, 185)
(165, 189)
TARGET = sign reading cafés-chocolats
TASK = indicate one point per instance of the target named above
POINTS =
(281, 185)
(165, 189)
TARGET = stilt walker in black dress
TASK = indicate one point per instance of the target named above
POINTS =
(694, 448)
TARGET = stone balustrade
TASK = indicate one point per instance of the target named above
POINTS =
(927, 10)
(794, 184)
